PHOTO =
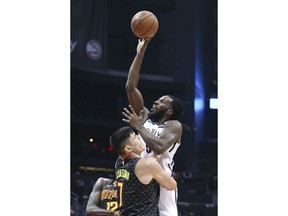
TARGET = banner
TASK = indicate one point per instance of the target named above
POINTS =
(88, 44)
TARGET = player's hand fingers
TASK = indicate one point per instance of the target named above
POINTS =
(131, 109)
(125, 115)
(127, 111)
(125, 120)
(148, 39)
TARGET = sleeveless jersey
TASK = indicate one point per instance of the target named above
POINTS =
(166, 159)
(109, 199)
(134, 197)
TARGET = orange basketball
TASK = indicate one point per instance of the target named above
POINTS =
(144, 24)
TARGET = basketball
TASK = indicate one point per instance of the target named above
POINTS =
(144, 24)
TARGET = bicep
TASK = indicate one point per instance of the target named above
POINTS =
(94, 199)
(95, 195)
(136, 100)
(170, 134)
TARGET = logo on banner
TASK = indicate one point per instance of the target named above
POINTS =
(72, 45)
(94, 49)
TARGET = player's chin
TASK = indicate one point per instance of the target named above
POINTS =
(152, 112)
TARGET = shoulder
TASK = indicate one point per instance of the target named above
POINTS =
(147, 163)
(147, 167)
(145, 170)
(102, 182)
(174, 123)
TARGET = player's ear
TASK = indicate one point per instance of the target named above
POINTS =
(170, 112)
(128, 148)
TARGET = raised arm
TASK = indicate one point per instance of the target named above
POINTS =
(92, 208)
(169, 136)
(134, 95)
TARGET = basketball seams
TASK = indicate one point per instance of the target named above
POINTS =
(148, 28)
(135, 29)
(144, 24)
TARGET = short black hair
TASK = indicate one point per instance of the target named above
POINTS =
(118, 136)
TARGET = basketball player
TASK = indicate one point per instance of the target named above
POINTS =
(102, 199)
(161, 130)
(138, 179)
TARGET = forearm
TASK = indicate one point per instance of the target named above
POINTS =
(154, 143)
(134, 72)
(134, 95)
(96, 211)
(101, 214)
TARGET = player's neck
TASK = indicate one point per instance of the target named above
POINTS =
(161, 120)
(128, 156)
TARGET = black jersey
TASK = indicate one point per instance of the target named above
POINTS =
(134, 197)
(109, 199)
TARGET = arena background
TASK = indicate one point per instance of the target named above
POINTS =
(181, 60)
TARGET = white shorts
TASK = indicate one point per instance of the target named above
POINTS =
(168, 202)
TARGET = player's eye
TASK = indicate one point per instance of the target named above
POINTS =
(163, 101)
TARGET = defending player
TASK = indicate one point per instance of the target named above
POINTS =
(138, 179)
(103, 199)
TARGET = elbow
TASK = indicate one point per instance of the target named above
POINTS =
(159, 150)
(129, 87)
(91, 213)
(88, 213)
(173, 186)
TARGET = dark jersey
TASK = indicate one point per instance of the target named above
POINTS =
(109, 199)
(134, 197)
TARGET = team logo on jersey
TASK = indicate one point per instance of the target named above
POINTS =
(94, 49)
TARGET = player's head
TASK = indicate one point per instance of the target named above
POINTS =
(168, 107)
(125, 141)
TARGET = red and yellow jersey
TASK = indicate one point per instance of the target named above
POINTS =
(109, 198)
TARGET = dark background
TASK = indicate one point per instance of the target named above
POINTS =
(180, 60)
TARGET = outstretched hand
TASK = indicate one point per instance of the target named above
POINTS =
(142, 45)
(132, 118)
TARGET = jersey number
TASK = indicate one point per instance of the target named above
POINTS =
(113, 205)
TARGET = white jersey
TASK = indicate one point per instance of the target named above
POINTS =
(168, 199)
(166, 159)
